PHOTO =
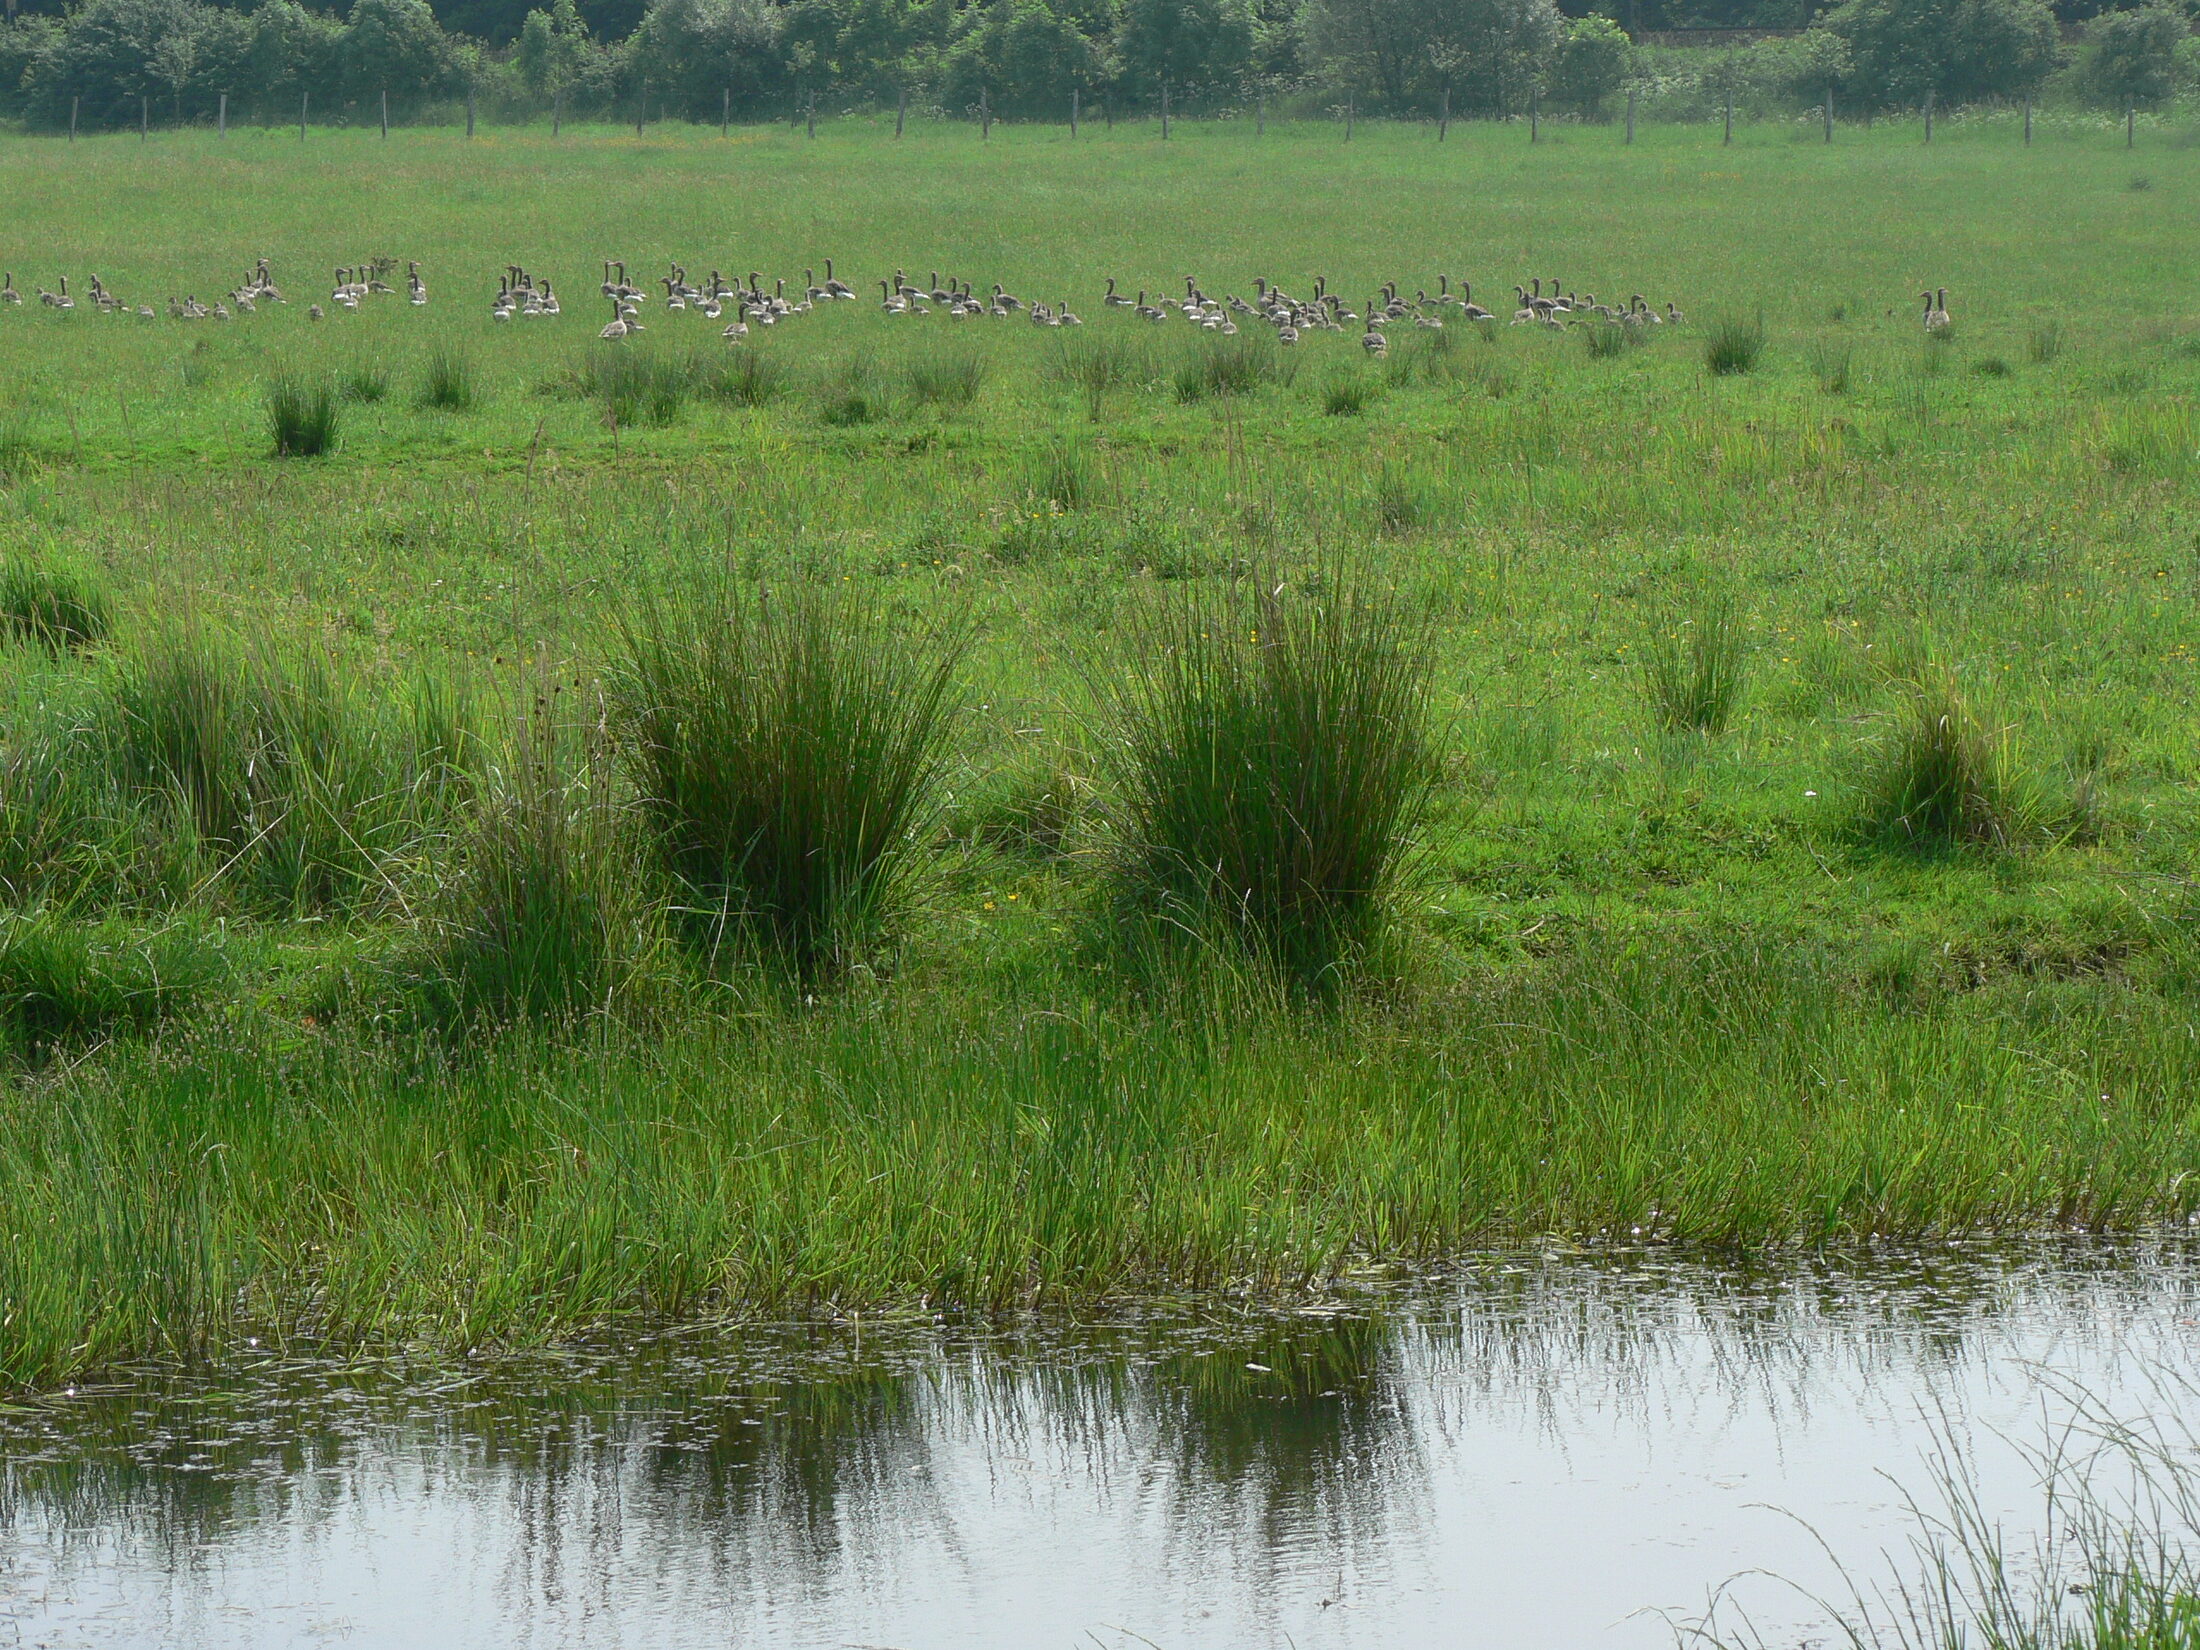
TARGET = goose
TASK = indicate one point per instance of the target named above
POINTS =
(1064, 317)
(940, 295)
(890, 301)
(1673, 313)
(550, 304)
(1526, 313)
(1287, 334)
(1469, 308)
(145, 312)
(61, 299)
(313, 312)
(738, 327)
(8, 294)
(1005, 298)
(1372, 340)
(834, 288)
(1113, 299)
(620, 326)
(1937, 322)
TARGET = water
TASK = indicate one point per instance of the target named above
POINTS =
(1539, 1451)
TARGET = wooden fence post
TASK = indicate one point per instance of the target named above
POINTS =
(1443, 120)
(1829, 114)
(2131, 121)
(1260, 115)
(1350, 109)
(725, 111)
(557, 111)
(812, 127)
(1164, 111)
(72, 118)
(1535, 118)
(221, 128)
(1073, 111)
(305, 100)
(469, 114)
(2028, 123)
(985, 116)
(1928, 117)
(901, 108)
(1729, 137)
(145, 118)
(641, 109)
(385, 114)
(1630, 114)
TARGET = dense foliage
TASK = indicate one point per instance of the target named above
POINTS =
(115, 62)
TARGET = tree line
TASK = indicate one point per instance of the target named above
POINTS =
(113, 62)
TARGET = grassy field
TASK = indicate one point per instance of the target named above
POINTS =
(1666, 959)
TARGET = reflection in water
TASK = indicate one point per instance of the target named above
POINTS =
(1527, 1454)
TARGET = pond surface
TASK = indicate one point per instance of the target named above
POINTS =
(1535, 1451)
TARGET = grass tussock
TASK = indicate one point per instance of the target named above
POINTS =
(448, 384)
(365, 384)
(1732, 345)
(946, 377)
(1347, 396)
(64, 982)
(1229, 366)
(1064, 475)
(1941, 775)
(787, 748)
(1097, 362)
(57, 608)
(1695, 665)
(301, 416)
(541, 922)
(296, 788)
(1274, 759)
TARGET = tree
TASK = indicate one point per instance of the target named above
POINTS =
(1183, 42)
(395, 46)
(106, 55)
(1594, 61)
(552, 46)
(1405, 54)
(1960, 51)
(1024, 57)
(2134, 54)
(287, 50)
(693, 51)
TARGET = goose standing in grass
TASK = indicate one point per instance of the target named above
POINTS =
(1937, 322)
(1112, 299)
(1372, 340)
(417, 289)
(836, 289)
(620, 326)
(8, 294)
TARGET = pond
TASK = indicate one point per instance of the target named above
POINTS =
(1532, 1450)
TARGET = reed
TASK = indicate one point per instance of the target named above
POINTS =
(301, 416)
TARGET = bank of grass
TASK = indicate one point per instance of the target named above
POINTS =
(955, 1148)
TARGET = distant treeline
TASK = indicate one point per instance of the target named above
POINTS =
(114, 62)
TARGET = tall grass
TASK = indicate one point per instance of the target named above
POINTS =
(786, 748)
(56, 607)
(448, 384)
(1939, 774)
(1732, 345)
(1096, 362)
(946, 377)
(1695, 664)
(1274, 756)
(636, 386)
(64, 982)
(541, 920)
(1230, 366)
(302, 791)
(301, 416)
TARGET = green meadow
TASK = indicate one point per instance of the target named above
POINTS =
(1756, 804)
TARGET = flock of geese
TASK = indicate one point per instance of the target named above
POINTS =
(354, 284)
(1290, 318)
(521, 295)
